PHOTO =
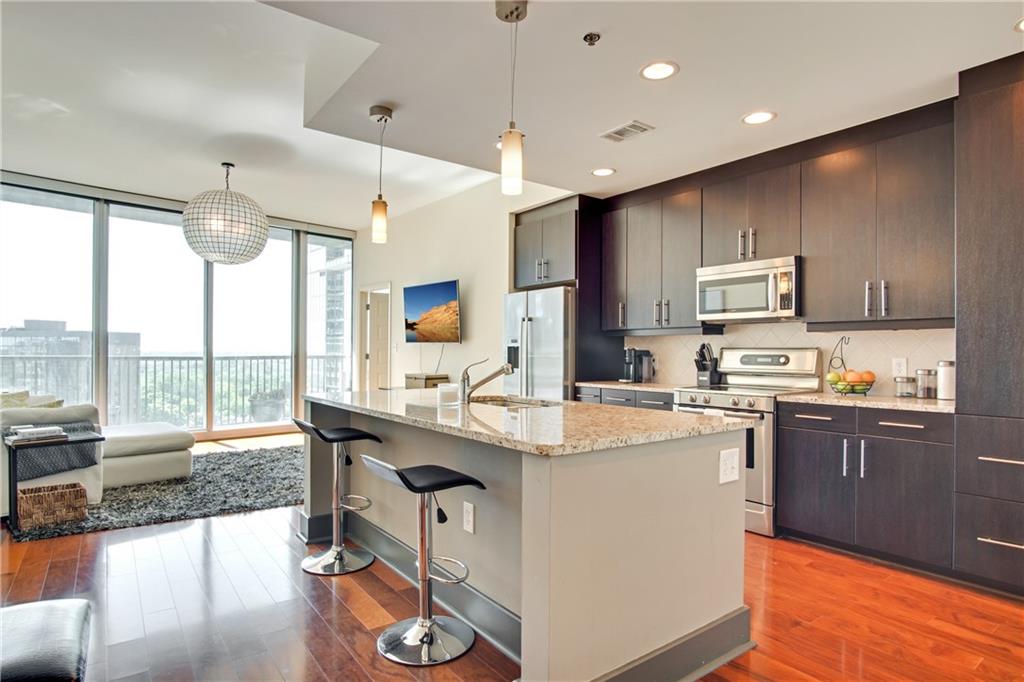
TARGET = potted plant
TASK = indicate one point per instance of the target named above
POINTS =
(268, 406)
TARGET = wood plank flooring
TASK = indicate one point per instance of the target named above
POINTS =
(224, 599)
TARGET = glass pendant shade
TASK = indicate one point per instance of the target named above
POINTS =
(379, 221)
(512, 161)
(225, 227)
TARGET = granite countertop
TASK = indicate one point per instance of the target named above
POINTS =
(881, 402)
(564, 428)
(657, 388)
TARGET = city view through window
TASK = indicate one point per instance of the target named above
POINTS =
(155, 315)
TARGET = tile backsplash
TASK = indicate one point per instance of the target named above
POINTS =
(873, 350)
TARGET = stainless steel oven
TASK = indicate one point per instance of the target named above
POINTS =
(760, 465)
(749, 290)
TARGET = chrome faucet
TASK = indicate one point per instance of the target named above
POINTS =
(466, 389)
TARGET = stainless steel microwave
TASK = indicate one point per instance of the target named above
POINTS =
(750, 290)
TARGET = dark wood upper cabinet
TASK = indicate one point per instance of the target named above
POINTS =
(904, 499)
(990, 251)
(528, 240)
(773, 213)
(643, 266)
(725, 222)
(613, 270)
(545, 250)
(753, 217)
(815, 483)
(838, 236)
(916, 231)
(558, 248)
(680, 258)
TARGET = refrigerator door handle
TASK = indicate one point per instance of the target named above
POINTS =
(524, 359)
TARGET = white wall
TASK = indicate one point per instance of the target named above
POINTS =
(464, 237)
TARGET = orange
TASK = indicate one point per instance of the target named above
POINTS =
(852, 377)
(867, 376)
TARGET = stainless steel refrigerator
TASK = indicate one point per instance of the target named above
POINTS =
(540, 340)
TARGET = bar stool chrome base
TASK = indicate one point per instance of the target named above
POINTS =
(415, 641)
(337, 561)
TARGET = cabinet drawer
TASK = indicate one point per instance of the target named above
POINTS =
(653, 400)
(618, 396)
(990, 457)
(989, 539)
(906, 424)
(818, 417)
(588, 392)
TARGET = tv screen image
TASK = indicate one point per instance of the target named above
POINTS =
(432, 313)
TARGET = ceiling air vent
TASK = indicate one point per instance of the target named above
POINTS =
(626, 131)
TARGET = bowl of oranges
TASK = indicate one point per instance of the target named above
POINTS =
(850, 381)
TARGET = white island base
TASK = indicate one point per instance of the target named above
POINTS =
(620, 563)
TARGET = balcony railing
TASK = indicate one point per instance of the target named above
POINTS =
(248, 389)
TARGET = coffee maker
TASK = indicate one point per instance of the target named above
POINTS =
(638, 367)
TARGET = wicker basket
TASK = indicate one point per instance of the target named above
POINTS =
(50, 504)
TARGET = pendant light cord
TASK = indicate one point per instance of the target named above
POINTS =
(380, 166)
(227, 177)
(514, 52)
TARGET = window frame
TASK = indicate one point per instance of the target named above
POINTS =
(102, 199)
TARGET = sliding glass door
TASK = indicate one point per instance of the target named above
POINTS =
(102, 301)
(328, 314)
(252, 337)
(46, 304)
(155, 361)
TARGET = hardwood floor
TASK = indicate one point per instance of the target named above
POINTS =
(224, 599)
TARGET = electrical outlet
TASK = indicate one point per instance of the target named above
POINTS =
(899, 367)
(468, 517)
(728, 466)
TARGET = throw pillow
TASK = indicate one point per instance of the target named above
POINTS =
(14, 399)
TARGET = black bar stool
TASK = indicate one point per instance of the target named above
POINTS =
(426, 639)
(339, 559)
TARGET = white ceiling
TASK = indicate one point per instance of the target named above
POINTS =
(150, 97)
(823, 66)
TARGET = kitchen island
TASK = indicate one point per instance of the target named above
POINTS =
(604, 546)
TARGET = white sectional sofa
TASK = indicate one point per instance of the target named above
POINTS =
(131, 454)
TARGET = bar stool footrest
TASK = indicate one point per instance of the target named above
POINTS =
(449, 560)
(367, 503)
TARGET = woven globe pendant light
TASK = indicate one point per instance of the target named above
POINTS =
(225, 227)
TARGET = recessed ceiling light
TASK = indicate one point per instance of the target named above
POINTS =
(497, 144)
(1019, 26)
(657, 71)
(603, 172)
(758, 117)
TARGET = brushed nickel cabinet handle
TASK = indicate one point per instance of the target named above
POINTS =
(867, 298)
(751, 242)
(664, 311)
(846, 452)
(657, 313)
(618, 400)
(862, 447)
(544, 268)
(741, 244)
(885, 298)
(1001, 543)
(901, 425)
(622, 314)
(815, 417)
(653, 402)
(1000, 460)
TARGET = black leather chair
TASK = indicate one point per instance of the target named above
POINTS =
(339, 559)
(45, 640)
(426, 639)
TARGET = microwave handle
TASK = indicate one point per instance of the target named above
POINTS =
(773, 292)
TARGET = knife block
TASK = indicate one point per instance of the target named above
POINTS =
(709, 377)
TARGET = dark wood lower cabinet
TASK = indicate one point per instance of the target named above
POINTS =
(815, 489)
(990, 539)
(903, 502)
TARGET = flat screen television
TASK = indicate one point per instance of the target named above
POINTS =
(432, 313)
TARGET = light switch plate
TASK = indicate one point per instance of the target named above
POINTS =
(468, 517)
(899, 367)
(728, 466)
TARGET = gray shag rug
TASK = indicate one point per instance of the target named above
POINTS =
(221, 483)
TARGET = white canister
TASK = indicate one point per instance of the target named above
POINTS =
(946, 380)
(447, 394)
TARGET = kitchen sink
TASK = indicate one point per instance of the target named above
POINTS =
(511, 402)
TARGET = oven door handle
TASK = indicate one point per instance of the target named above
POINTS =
(692, 410)
(753, 416)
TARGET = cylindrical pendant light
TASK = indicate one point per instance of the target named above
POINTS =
(379, 209)
(512, 160)
(512, 138)
(223, 226)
